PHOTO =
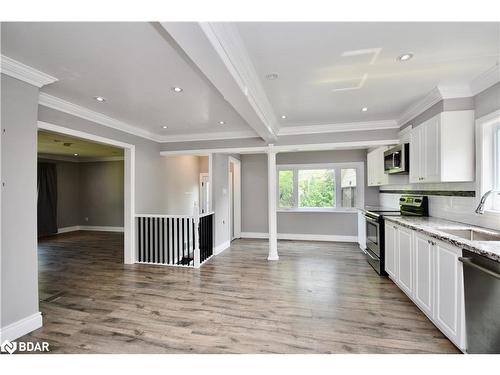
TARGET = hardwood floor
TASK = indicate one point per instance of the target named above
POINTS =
(318, 298)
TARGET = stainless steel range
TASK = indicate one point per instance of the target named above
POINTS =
(409, 205)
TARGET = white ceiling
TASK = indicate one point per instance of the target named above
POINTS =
(308, 57)
(132, 65)
(135, 65)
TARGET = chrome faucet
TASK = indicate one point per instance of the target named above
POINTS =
(480, 207)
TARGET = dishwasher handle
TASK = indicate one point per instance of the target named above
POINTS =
(468, 262)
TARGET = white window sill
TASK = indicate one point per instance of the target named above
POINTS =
(320, 210)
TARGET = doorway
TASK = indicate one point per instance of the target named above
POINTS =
(234, 188)
(128, 183)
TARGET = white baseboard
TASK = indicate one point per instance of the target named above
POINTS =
(101, 228)
(89, 227)
(302, 237)
(219, 249)
(68, 229)
(20, 328)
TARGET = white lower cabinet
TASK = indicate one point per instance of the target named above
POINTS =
(424, 280)
(429, 272)
(405, 260)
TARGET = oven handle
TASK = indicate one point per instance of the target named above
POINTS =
(469, 262)
(371, 256)
(368, 218)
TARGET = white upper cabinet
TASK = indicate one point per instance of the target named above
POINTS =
(442, 148)
(375, 167)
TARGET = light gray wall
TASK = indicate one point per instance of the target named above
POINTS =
(220, 194)
(487, 101)
(254, 196)
(92, 190)
(254, 217)
(180, 183)
(148, 197)
(101, 193)
(456, 104)
(19, 267)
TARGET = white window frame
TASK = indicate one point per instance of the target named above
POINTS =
(337, 167)
(488, 160)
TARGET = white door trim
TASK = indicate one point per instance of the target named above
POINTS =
(200, 188)
(236, 198)
(129, 181)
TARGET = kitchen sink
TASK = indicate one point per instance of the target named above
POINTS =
(472, 234)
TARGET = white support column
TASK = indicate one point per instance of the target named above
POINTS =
(196, 250)
(273, 229)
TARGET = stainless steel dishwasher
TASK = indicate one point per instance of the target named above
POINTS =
(482, 303)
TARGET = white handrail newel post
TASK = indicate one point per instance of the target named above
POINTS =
(196, 251)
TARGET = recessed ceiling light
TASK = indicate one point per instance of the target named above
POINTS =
(177, 89)
(100, 99)
(272, 76)
(75, 154)
(164, 126)
(405, 57)
(221, 122)
(364, 109)
(283, 117)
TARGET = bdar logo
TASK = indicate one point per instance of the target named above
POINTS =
(8, 347)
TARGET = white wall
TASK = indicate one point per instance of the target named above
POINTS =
(220, 200)
(180, 183)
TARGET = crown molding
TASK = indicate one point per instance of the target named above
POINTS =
(25, 73)
(486, 79)
(237, 134)
(433, 97)
(73, 109)
(338, 127)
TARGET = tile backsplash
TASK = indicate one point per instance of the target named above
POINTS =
(451, 208)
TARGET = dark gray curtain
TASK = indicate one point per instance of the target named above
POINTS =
(47, 199)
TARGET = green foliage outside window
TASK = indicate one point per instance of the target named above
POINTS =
(317, 188)
(286, 189)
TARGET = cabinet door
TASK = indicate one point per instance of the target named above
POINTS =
(423, 251)
(448, 313)
(371, 167)
(405, 260)
(382, 178)
(416, 155)
(431, 150)
(390, 250)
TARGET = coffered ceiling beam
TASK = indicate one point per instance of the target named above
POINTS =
(219, 53)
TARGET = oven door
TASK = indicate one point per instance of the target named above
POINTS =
(373, 235)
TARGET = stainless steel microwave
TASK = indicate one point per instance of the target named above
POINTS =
(397, 158)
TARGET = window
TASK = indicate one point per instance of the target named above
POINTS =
(318, 187)
(488, 159)
(286, 189)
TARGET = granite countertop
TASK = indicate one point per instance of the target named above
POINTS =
(430, 225)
